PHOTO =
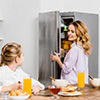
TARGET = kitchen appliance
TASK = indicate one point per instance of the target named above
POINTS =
(53, 37)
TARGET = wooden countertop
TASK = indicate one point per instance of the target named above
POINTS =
(89, 93)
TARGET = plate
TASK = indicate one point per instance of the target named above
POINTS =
(76, 94)
(19, 97)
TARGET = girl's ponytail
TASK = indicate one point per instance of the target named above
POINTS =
(1, 63)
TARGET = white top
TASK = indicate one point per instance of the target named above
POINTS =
(74, 61)
(8, 77)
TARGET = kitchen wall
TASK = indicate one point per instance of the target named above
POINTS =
(20, 24)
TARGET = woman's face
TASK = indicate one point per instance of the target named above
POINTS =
(71, 33)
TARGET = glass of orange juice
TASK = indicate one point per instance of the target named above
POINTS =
(81, 79)
(27, 85)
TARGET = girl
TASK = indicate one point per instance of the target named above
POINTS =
(77, 57)
(11, 58)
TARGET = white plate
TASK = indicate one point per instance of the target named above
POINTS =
(19, 97)
(78, 93)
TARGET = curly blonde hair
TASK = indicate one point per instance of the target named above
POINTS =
(82, 36)
(9, 52)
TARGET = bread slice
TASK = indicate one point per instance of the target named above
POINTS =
(68, 88)
(69, 93)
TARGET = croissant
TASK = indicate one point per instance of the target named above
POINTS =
(18, 93)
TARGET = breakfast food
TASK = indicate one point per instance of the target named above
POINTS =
(68, 88)
(18, 93)
(70, 93)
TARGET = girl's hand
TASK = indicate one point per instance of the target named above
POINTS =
(15, 86)
(54, 57)
(11, 87)
(36, 88)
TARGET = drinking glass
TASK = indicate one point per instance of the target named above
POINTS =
(54, 90)
(27, 85)
(80, 77)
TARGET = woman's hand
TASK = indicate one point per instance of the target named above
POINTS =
(36, 88)
(54, 57)
(15, 86)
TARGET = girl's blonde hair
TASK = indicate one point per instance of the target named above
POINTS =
(9, 52)
(82, 36)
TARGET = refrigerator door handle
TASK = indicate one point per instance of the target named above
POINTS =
(58, 53)
(54, 69)
(52, 66)
(52, 73)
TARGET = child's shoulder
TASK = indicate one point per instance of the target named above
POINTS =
(2, 70)
(19, 69)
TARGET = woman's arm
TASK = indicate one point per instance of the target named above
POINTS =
(56, 58)
(69, 60)
(60, 63)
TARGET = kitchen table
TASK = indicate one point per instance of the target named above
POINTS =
(89, 93)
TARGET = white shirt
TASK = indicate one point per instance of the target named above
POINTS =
(8, 77)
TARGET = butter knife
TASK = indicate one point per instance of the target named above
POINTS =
(39, 94)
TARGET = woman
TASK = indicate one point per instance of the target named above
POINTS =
(77, 57)
(11, 58)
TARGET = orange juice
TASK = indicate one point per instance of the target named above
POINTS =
(27, 86)
(81, 80)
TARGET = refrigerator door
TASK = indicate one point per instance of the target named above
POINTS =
(49, 41)
(91, 22)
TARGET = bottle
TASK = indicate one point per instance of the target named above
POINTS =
(65, 28)
(62, 35)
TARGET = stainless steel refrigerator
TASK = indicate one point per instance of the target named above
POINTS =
(51, 39)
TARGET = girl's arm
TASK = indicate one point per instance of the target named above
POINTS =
(10, 87)
(34, 82)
